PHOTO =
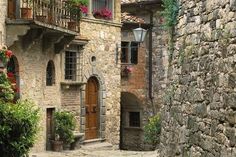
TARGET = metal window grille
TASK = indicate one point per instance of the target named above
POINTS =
(70, 65)
(134, 119)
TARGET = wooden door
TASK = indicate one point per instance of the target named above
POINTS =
(12, 9)
(49, 127)
(91, 107)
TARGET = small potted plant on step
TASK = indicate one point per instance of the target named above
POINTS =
(64, 127)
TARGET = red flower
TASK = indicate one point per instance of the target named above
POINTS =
(8, 53)
(129, 69)
(10, 75)
(84, 9)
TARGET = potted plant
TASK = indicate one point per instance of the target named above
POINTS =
(64, 123)
(26, 11)
(103, 13)
(76, 8)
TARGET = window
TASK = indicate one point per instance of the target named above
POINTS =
(50, 74)
(102, 9)
(70, 65)
(129, 52)
(124, 52)
(134, 119)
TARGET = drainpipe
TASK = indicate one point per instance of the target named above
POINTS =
(150, 81)
(150, 57)
(150, 91)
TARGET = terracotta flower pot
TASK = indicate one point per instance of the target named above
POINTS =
(57, 145)
(26, 13)
(72, 25)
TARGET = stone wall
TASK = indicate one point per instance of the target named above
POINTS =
(159, 60)
(3, 15)
(103, 37)
(199, 116)
(32, 72)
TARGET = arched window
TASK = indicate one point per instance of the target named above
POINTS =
(13, 75)
(50, 74)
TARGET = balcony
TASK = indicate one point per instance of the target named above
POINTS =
(34, 19)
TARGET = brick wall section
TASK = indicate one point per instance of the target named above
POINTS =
(70, 101)
(103, 38)
(135, 83)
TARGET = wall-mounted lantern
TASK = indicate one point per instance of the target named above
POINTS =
(139, 34)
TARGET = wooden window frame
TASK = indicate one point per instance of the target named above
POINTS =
(127, 49)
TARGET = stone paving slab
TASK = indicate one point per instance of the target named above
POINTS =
(97, 153)
(103, 149)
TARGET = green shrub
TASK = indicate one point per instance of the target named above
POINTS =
(6, 91)
(18, 128)
(152, 130)
(64, 126)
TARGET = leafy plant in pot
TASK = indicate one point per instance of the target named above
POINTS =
(76, 9)
(64, 127)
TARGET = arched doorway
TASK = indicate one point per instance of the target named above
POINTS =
(92, 109)
(131, 122)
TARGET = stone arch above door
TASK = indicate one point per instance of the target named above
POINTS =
(101, 96)
(131, 122)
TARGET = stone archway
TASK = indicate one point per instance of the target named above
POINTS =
(95, 75)
(131, 122)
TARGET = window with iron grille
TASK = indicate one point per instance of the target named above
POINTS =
(70, 65)
(134, 119)
(50, 74)
(129, 52)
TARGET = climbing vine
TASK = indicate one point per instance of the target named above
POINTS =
(170, 13)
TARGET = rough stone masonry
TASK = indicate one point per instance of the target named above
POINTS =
(199, 116)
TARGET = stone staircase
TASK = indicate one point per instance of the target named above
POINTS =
(96, 145)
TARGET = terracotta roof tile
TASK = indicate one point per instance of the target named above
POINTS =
(127, 17)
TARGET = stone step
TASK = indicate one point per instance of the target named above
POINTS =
(96, 144)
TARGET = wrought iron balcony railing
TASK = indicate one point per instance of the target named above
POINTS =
(51, 12)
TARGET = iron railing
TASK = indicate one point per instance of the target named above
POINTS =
(51, 12)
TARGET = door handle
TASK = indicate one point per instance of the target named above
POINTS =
(94, 109)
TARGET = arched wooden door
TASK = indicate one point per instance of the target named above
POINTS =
(92, 109)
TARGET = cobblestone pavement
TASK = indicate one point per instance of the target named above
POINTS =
(97, 153)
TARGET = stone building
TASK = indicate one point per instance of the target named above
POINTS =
(60, 67)
(200, 118)
(143, 70)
